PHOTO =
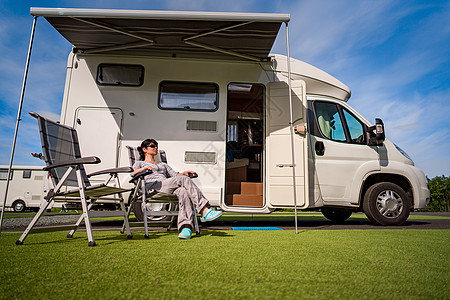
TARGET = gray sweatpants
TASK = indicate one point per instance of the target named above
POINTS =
(187, 192)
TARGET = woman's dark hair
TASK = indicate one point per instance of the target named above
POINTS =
(145, 144)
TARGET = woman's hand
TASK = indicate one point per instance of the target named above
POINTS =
(142, 169)
(186, 173)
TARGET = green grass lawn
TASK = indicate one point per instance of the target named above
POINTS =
(245, 217)
(320, 264)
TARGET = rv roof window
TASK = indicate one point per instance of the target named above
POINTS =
(122, 75)
(188, 96)
(4, 174)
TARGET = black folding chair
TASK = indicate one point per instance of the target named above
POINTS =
(153, 206)
(66, 168)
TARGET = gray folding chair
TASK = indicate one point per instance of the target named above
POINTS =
(66, 168)
(154, 205)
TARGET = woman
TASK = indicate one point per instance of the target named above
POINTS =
(164, 179)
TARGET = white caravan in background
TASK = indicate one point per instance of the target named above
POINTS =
(27, 188)
(204, 86)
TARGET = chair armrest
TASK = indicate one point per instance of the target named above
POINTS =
(141, 174)
(112, 171)
(77, 161)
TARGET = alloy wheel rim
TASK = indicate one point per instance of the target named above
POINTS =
(19, 206)
(156, 207)
(389, 204)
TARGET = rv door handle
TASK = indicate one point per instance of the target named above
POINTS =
(320, 148)
(284, 165)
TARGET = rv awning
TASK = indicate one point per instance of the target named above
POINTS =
(204, 34)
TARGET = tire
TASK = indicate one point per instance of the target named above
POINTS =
(387, 204)
(138, 213)
(336, 215)
(19, 206)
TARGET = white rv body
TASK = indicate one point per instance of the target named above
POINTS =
(27, 188)
(201, 84)
(110, 117)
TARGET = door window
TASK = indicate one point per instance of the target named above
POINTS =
(338, 124)
(329, 120)
(355, 128)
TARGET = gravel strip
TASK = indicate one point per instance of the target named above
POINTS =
(11, 223)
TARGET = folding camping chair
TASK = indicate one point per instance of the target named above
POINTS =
(66, 168)
(142, 200)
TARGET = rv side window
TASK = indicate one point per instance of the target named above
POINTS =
(188, 96)
(26, 174)
(122, 75)
(4, 174)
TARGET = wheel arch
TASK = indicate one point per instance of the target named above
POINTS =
(18, 199)
(397, 179)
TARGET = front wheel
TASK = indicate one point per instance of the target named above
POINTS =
(19, 206)
(386, 203)
(336, 215)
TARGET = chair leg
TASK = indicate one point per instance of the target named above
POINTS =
(144, 208)
(78, 223)
(33, 222)
(44, 206)
(194, 212)
(130, 207)
(87, 220)
(125, 219)
(172, 220)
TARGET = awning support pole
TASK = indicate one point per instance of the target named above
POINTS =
(291, 125)
(19, 112)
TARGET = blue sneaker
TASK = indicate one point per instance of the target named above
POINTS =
(211, 215)
(185, 233)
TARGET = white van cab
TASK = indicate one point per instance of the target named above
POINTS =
(206, 88)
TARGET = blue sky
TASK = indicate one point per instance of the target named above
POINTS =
(394, 55)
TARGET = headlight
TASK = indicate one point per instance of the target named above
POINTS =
(403, 152)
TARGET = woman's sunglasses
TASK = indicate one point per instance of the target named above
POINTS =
(152, 146)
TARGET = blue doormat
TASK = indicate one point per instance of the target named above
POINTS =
(256, 228)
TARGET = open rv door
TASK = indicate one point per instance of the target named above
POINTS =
(279, 149)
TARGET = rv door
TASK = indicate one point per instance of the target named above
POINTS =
(279, 150)
(99, 133)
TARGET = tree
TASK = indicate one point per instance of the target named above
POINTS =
(439, 187)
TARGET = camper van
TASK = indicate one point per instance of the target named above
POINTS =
(262, 131)
(27, 188)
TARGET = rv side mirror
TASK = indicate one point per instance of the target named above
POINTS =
(375, 134)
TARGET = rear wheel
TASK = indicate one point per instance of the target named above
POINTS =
(19, 206)
(137, 209)
(386, 203)
(337, 215)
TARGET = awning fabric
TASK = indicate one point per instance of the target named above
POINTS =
(167, 33)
